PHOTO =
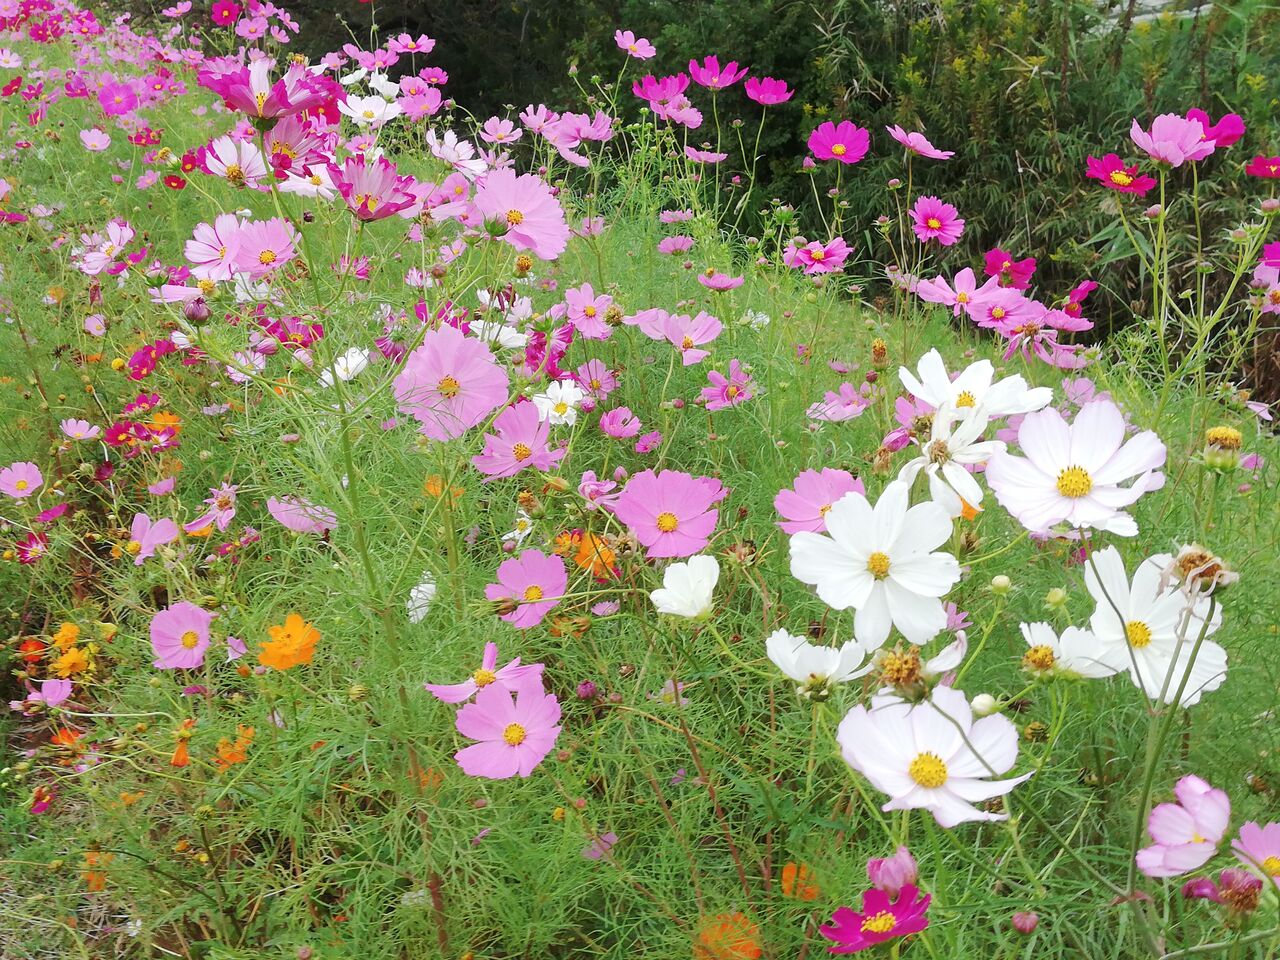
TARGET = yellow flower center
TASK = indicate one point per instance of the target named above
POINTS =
(1120, 178)
(21, 485)
(266, 257)
(667, 521)
(1271, 866)
(1228, 438)
(514, 218)
(962, 297)
(1039, 657)
(189, 639)
(997, 313)
(1138, 634)
(235, 173)
(824, 509)
(595, 383)
(881, 922)
(521, 452)
(561, 408)
(589, 311)
(933, 223)
(878, 565)
(514, 734)
(261, 98)
(966, 399)
(732, 392)
(532, 593)
(839, 149)
(928, 770)
(818, 255)
(448, 388)
(1074, 482)
(484, 677)
(206, 286)
(133, 547)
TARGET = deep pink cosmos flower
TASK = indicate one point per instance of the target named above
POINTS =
(20, 480)
(301, 515)
(1265, 167)
(934, 220)
(1223, 133)
(882, 918)
(804, 506)
(1172, 139)
(619, 423)
(586, 311)
(815, 257)
(919, 144)
(31, 547)
(711, 75)
(180, 636)
(250, 90)
(1009, 272)
(841, 141)
(374, 189)
(671, 513)
(513, 734)
(1258, 847)
(519, 444)
(524, 212)
(712, 279)
(730, 391)
(509, 677)
(633, 46)
(117, 99)
(450, 383)
(146, 536)
(1186, 833)
(1271, 255)
(529, 587)
(224, 12)
(1111, 172)
(767, 91)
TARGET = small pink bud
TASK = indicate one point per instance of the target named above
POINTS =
(1025, 922)
(891, 874)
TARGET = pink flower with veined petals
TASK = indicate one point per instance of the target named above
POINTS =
(919, 144)
(450, 383)
(931, 219)
(20, 480)
(620, 423)
(1172, 139)
(1259, 847)
(250, 90)
(815, 257)
(513, 733)
(374, 189)
(804, 506)
(711, 75)
(891, 874)
(265, 245)
(146, 536)
(633, 46)
(519, 444)
(596, 379)
(671, 513)
(1186, 833)
(904, 914)
(724, 392)
(688, 334)
(524, 208)
(180, 636)
(841, 141)
(508, 677)
(767, 91)
(676, 244)
(961, 294)
(532, 584)
(586, 311)
(301, 515)
(714, 280)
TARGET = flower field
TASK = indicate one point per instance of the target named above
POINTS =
(429, 535)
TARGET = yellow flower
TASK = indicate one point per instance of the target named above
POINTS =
(290, 644)
(73, 661)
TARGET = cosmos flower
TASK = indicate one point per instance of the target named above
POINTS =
(1259, 848)
(724, 392)
(671, 513)
(711, 75)
(767, 91)
(1111, 172)
(20, 480)
(180, 636)
(301, 515)
(883, 917)
(814, 257)
(559, 403)
(525, 212)
(510, 676)
(529, 587)
(918, 144)
(1186, 833)
(815, 669)
(633, 46)
(841, 141)
(1172, 140)
(1076, 653)
(931, 219)
(953, 448)
(687, 587)
(974, 386)
(805, 505)
(520, 443)
(450, 383)
(147, 536)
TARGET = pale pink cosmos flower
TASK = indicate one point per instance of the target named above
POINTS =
(724, 392)
(531, 585)
(689, 334)
(596, 492)
(147, 536)
(676, 244)
(513, 733)
(526, 211)
(52, 693)
(213, 248)
(222, 509)
(704, 156)
(80, 429)
(1186, 833)
(714, 280)
(919, 144)
(180, 636)
(844, 403)
(619, 423)
(1259, 847)
(891, 874)
(450, 383)
(804, 506)
(20, 480)
(586, 311)
(508, 677)
(500, 130)
(301, 515)
(1172, 139)
(633, 46)
(596, 379)
(671, 513)
(520, 443)
(240, 163)
(95, 140)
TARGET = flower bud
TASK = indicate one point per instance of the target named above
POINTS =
(1055, 599)
(1025, 922)
(1001, 585)
(891, 874)
(984, 704)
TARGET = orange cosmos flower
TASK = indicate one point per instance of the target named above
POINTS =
(181, 753)
(229, 753)
(727, 936)
(67, 635)
(290, 644)
(73, 661)
(94, 877)
(796, 882)
(594, 555)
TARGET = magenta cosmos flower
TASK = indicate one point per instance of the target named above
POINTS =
(374, 189)
(20, 480)
(529, 586)
(725, 392)
(1223, 133)
(882, 918)
(525, 212)
(841, 141)
(815, 257)
(1111, 172)
(1009, 272)
(146, 536)
(671, 513)
(450, 383)
(1265, 167)
(250, 90)
(804, 506)
(520, 443)
(1259, 847)
(513, 733)
(767, 91)
(1186, 833)
(1172, 139)
(919, 144)
(934, 220)
(301, 515)
(509, 677)
(711, 75)
(180, 636)
(117, 99)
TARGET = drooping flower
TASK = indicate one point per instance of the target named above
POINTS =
(450, 383)
(931, 219)
(510, 676)
(180, 636)
(291, 644)
(687, 587)
(1238, 890)
(20, 480)
(815, 669)
(420, 596)
(525, 211)
(1172, 139)
(713, 279)
(519, 444)
(841, 141)
(883, 917)
(529, 587)
(805, 505)
(1008, 272)
(671, 513)
(1076, 653)
(919, 144)
(1111, 172)
(1186, 833)
(932, 755)
(1072, 474)
(891, 874)
(880, 561)
(513, 733)
(301, 515)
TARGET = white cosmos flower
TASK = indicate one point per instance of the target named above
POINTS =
(816, 668)
(1143, 621)
(880, 562)
(560, 403)
(384, 85)
(687, 587)
(459, 154)
(346, 367)
(972, 387)
(355, 76)
(369, 111)
(520, 532)
(932, 755)
(1072, 474)
(1077, 653)
(420, 597)
(504, 335)
(954, 443)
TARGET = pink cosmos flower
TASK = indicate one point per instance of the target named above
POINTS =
(450, 383)
(596, 379)
(688, 334)
(844, 403)
(815, 257)
(671, 513)
(1259, 847)
(213, 249)
(767, 91)
(250, 90)
(649, 442)
(20, 480)
(508, 677)
(634, 46)
(301, 515)
(222, 509)
(224, 12)
(145, 537)
(711, 75)
(240, 162)
(961, 294)
(586, 312)
(180, 636)
(730, 391)
(526, 212)
(704, 156)
(596, 492)
(891, 874)
(804, 506)
(513, 733)
(519, 444)
(1235, 888)
(117, 99)
(1223, 133)
(843, 141)
(619, 423)
(265, 245)
(676, 244)
(934, 220)
(1037, 335)
(1008, 272)
(919, 144)
(714, 280)
(530, 585)
(1271, 255)
(500, 130)
(882, 918)
(1186, 833)
(52, 693)
(374, 189)
(1172, 139)
(80, 429)
(95, 140)
(1111, 172)
(407, 43)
